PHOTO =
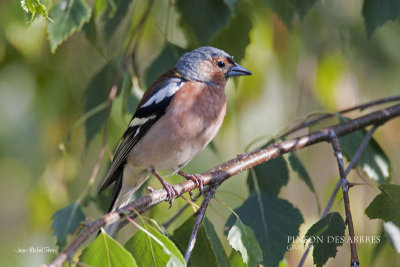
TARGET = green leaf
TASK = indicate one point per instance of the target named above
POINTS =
(96, 94)
(302, 6)
(286, 9)
(327, 234)
(242, 238)
(231, 5)
(386, 205)
(238, 29)
(114, 15)
(66, 221)
(283, 10)
(105, 251)
(392, 232)
(69, 17)
(377, 12)
(297, 166)
(208, 250)
(272, 219)
(201, 28)
(235, 259)
(270, 176)
(167, 59)
(35, 7)
(150, 251)
(373, 160)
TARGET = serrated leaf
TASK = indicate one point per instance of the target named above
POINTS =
(386, 205)
(392, 232)
(66, 221)
(96, 94)
(208, 250)
(242, 239)
(154, 252)
(270, 176)
(69, 17)
(238, 29)
(167, 59)
(105, 251)
(327, 234)
(34, 7)
(201, 28)
(373, 160)
(376, 13)
(272, 220)
(297, 166)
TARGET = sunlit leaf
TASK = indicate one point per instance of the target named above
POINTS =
(69, 17)
(373, 160)
(105, 251)
(272, 220)
(392, 232)
(201, 28)
(386, 205)
(376, 13)
(326, 235)
(66, 222)
(34, 7)
(238, 29)
(235, 259)
(242, 239)
(208, 250)
(156, 250)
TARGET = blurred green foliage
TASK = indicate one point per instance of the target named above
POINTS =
(57, 71)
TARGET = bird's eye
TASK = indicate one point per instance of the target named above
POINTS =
(221, 64)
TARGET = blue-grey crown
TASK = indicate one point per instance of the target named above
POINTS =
(188, 64)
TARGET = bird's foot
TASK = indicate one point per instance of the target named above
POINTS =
(171, 191)
(196, 178)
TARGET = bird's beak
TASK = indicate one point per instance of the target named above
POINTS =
(238, 70)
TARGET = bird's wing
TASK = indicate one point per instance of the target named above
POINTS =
(152, 106)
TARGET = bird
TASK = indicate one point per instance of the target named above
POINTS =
(179, 114)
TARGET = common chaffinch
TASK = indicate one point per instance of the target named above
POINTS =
(179, 114)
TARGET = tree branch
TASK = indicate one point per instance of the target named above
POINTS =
(199, 219)
(353, 162)
(228, 169)
(345, 188)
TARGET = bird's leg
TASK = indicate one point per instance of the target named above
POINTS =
(171, 192)
(194, 177)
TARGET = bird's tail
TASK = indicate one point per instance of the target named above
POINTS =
(127, 183)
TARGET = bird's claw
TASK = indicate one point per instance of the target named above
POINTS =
(196, 178)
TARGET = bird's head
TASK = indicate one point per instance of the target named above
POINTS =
(210, 65)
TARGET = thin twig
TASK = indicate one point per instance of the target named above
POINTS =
(326, 116)
(228, 169)
(345, 189)
(353, 162)
(199, 219)
(179, 212)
